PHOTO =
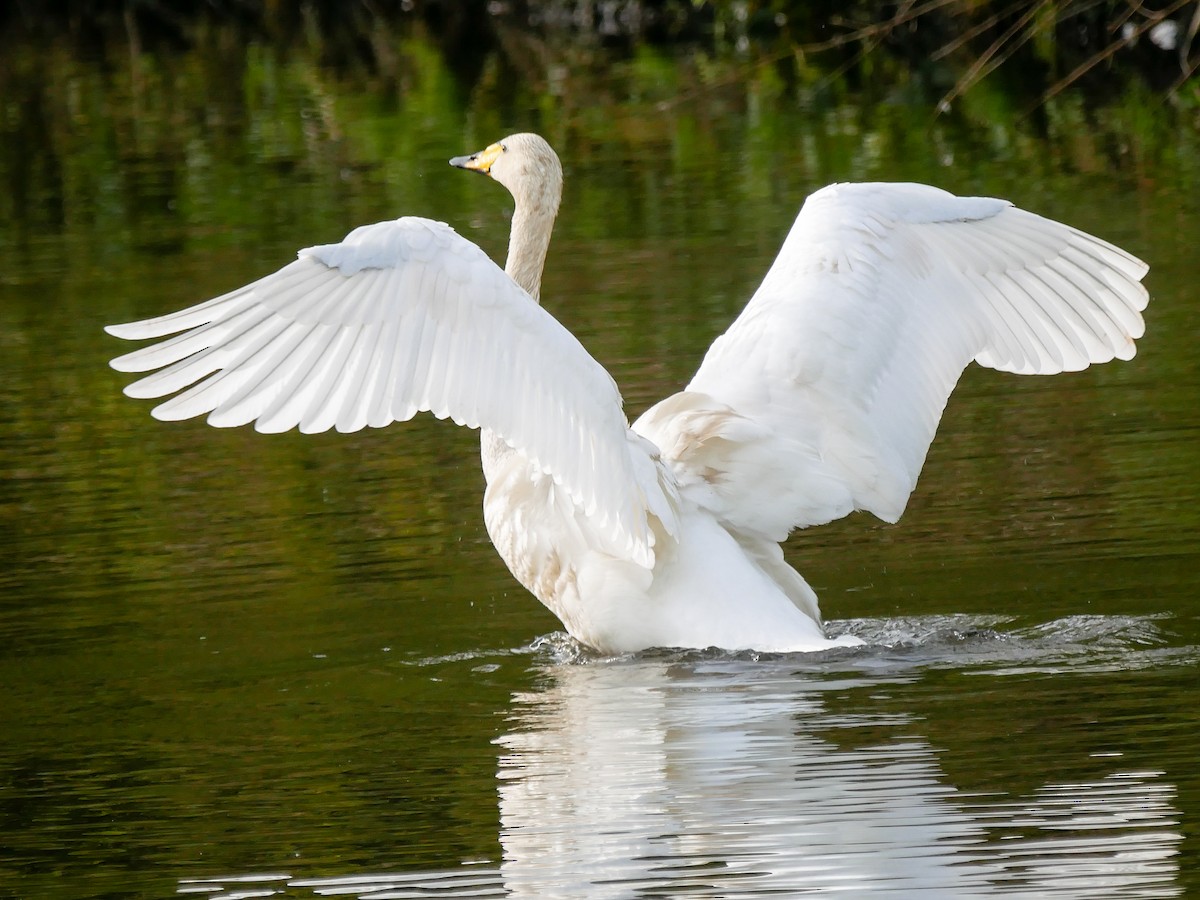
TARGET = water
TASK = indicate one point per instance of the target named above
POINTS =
(234, 664)
(702, 774)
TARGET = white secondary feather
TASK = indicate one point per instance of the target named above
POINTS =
(403, 317)
(824, 395)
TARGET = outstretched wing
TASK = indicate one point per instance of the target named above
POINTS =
(403, 317)
(824, 395)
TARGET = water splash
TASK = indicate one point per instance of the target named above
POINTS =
(975, 643)
(983, 645)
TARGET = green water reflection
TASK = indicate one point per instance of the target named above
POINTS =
(224, 652)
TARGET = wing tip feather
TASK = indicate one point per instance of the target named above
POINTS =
(124, 331)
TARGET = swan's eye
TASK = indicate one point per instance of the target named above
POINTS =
(503, 148)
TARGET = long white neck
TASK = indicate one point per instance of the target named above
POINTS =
(529, 239)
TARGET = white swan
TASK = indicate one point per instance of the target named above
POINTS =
(821, 398)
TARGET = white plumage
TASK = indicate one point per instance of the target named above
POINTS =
(821, 398)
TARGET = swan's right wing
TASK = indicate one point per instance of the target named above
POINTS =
(403, 317)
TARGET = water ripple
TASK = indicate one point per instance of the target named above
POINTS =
(704, 774)
(1091, 643)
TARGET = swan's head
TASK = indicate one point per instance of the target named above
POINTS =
(523, 163)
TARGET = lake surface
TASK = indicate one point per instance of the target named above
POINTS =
(241, 665)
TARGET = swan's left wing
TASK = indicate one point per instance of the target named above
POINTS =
(824, 395)
(403, 317)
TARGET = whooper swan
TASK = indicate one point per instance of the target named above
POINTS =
(821, 398)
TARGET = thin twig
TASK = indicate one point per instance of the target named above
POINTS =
(973, 74)
(902, 17)
(1087, 65)
(971, 33)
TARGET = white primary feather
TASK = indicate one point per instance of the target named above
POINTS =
(821, 398)
(399, 318)
(824, 395)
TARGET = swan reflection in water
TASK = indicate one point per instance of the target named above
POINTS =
(618, 779)
(702, 776)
